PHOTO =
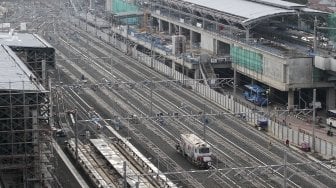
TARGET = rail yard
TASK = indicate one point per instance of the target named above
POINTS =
(119, 121)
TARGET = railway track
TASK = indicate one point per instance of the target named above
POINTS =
(156, 150)
(277, 157)
(172, 108)
(127, 152)
(251, 149)
(325, 179)
(170, 142)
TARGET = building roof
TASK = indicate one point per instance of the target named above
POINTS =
(23, 40)
(249, 11)
(14, 73)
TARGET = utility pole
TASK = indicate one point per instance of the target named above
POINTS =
(204, 123)
(95, 19)
(51, 112)
(285, 170)
(124, 175)
(234, 86)
(158, 165)
(315, 39)
(267, 100)
(76, 136)
(151, 34)
(86, 20)
(314, 114)
(151, 99)
(128, 129)
(183, 78)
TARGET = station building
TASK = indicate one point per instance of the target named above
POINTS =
(268, 42)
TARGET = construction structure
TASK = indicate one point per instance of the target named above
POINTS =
(25, 122)
(35, 52)
(178, 42)
(125, 11)
(332, 24)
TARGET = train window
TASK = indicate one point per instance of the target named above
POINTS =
(204, 150)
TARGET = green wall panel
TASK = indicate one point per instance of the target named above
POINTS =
(246, 58)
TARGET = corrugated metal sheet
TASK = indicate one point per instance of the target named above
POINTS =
(14, 73)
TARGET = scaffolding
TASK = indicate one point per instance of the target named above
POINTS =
(119, 6)
(25, 140)
(332, 24)
(125, 7)
(36, 53)
(25, 131)
(38, 60)
(248, 59)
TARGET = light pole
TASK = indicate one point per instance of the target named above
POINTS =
(204, 123)
(86, 21)
(151, 97)
(128, 129)
(267, 93)
(234, 86)
(124, 175)
(285, 169)
(183, 77)
(314, 114)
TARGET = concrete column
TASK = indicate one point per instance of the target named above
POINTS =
(160, 25)
(44, 75)
(290, 99)
(172, 69)
(203, 24)
(247, 35)
(91, 5)
(299, 21)
(330, 98)
(230, 28)
(180, 30)
(170, 28)
(191, 39)
(215, 46)
(197, 73)
(108, 5)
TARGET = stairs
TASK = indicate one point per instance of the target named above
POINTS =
(207, 71)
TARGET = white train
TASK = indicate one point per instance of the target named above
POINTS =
(195, 150)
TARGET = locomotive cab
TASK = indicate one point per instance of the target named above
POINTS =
(203, 156)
